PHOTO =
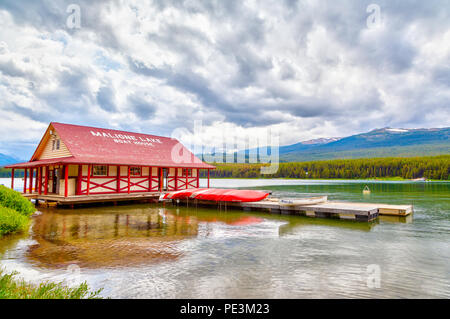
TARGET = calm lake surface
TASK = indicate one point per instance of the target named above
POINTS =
(150, 251)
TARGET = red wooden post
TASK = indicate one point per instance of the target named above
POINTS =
(47, 169)
(31, 180)
(129, 181)
(176, 179)
(12, 179)
(25, 178)
(161, 179)
(118, 179)
(66, 180)
(208, 177)
(149, 178)
(187, 178)
(89, 179)
(198, 178)
(80, 176)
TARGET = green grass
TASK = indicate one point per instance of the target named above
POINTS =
(11, 288)
(12, 222)
(15, 212)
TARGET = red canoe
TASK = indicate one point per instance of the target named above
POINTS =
(182, 194)
(218, 195)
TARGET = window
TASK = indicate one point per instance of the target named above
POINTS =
(135, 171)
(188, 170)
(100, 170)
(56, 144)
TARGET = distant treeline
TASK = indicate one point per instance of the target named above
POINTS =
(433, 167)
(6, 172)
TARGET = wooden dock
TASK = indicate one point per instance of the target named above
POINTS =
(329, 209)
(325, 209)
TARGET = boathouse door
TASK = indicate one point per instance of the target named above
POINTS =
(165, 173)
(56, 180)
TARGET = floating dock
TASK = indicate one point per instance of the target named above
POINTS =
(327, 209)
(319, 207)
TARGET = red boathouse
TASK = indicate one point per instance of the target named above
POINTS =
(76, 161)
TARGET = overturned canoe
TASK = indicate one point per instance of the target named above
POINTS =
(218, 195)
(181, 194)
(303, 201)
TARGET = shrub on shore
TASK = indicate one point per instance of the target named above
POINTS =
(11, 288)
(12, 199)
(15, 211)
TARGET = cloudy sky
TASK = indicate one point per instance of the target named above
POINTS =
(305, 69)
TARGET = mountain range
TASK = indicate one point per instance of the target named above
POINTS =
(6, 160)
(384, 142)
(376, 143)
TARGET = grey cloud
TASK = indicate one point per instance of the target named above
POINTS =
(105, 98)
(442, 75)
(246, 46)
(43, 117)
(141, 107)
(11, 69)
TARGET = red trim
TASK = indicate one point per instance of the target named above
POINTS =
(62, 161)
(154, 180)
(66, 180)
(97, 185)
(161, 179)
(80, 174)
(118, 179)
(31, 180)
(25, 179)
(129, 181)
(122, 190)
(176, 179)
(149, 179)
(12, 179)
(88, 186)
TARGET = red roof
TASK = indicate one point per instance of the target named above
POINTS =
(91, 145)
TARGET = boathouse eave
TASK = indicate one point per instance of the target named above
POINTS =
(55, 161)
(74, 161)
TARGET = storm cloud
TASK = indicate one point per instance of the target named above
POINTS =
(306, 69)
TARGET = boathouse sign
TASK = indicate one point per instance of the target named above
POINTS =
(127, 139)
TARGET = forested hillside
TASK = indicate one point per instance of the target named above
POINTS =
(433, 167)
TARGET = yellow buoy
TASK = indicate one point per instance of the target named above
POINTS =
(366, 190)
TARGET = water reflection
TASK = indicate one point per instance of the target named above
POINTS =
(108, 237)
(145, 251)
(129, 236)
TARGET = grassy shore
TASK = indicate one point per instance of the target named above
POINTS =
(15, 213)
(12, 288)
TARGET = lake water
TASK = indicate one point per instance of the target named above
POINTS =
(150, 251)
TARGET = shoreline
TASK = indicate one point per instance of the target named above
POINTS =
(381, 179)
